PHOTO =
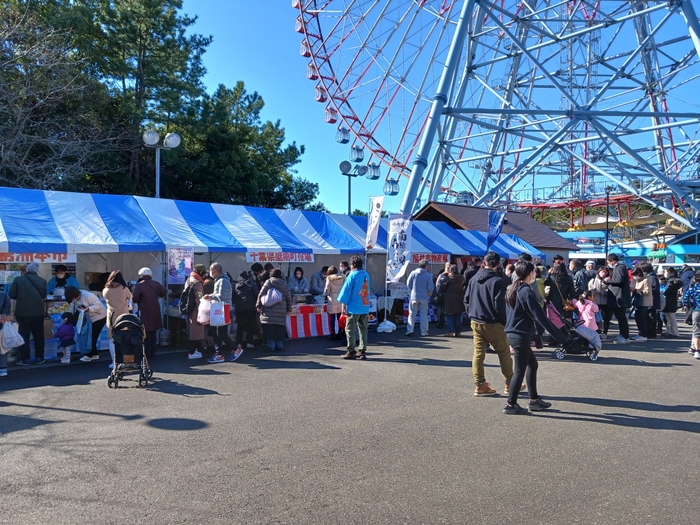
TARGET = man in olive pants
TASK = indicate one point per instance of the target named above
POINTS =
(485, 301)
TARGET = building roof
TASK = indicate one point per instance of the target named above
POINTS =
(476, 218)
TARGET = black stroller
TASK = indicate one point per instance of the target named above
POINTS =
(129, 353)
(580, 340)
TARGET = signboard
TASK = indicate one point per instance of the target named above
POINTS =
(398, 246)
(373, 222)
(180, 264)
(24, 258)
(432, 258)
(278, 257)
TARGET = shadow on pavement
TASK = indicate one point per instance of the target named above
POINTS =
(177, 423)
(18, 423)
(621, 403)
(625, 420)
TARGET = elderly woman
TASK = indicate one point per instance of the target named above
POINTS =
(453, 300)
(147, 293)
(117, 296)
(60, 280)
(92, 307)
(274, 317)
(196, 332)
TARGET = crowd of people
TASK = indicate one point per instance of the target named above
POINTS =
(508, 307)
(262, 300)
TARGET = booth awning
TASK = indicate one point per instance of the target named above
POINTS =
(52, 221)
(60, 222)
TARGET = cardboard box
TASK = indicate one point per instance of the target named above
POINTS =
(48, 329)
(92, 277)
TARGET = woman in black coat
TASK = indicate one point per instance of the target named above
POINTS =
(561, 289)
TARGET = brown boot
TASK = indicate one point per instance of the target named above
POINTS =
(349, 355)
(483, 389)
(361, 354)
(506, 388)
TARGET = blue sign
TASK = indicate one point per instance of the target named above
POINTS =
(496, 219)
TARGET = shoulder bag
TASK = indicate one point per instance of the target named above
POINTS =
(565, 303)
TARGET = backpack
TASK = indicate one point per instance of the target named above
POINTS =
(187, 300)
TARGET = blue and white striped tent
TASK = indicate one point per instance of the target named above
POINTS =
(61, 222)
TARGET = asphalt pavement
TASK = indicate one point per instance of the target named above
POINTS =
(305, 437)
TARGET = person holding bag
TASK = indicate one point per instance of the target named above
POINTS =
(29, 290)
(147, 293)
(90, 305)
(5, 309)
(334, 283)
(642, 300)
(451, 289)
(561, 291)
(196, 332)
(222, 294)
(273, 313)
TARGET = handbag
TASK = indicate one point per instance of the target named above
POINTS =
(437, 300)
(217, 314)
(637, 300)
(271, 297)
(566, 303)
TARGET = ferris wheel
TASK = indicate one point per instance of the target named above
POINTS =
(513, 103)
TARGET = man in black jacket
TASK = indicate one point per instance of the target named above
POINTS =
(29, 290)
(618, 297)
(485, 302)
(244, 297)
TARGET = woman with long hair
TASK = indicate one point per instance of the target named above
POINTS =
(117, 296)
(561, 289)
(523, 312)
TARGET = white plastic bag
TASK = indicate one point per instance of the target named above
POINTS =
(204, 312)
(386, 326)
(79, 322)
(10, 338)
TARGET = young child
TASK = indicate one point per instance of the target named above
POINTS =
(66, 335)
(587, 309)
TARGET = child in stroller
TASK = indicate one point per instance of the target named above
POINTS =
(128, 335)
(580, 340)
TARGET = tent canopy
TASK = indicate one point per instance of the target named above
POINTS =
(60, 222)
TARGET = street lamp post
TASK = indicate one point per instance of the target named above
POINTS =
(608, 189)
(151, 139)
(349, 171)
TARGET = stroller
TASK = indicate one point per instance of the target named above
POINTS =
(129, 353)
(580, 340)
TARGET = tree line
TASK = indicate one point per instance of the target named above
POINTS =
(80, 80)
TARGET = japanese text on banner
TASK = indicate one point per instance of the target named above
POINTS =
(38, 257)
(278, 257)
(398, 246)
(432, 258)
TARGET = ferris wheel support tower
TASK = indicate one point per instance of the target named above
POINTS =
(507, 113)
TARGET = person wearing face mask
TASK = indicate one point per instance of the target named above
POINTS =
(523, 313)
(61, 279)
(298, 284)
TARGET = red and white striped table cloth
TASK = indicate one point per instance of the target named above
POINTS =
(309, 320)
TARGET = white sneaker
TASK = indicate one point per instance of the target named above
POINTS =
(111, 365)
(638, 338)
(696, 355)
(619, 340)
(603, 337)
(3, 372)
(249, 346)
(195, 355)
(65, 360)
(88, 358)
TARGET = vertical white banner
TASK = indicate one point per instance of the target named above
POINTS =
(398, 246)
(373, 222)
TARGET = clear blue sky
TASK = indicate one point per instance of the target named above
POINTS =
(255, 42)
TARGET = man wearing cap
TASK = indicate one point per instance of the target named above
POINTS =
(244, 299)
(583, 277)
(420, 283)
(147, 294)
